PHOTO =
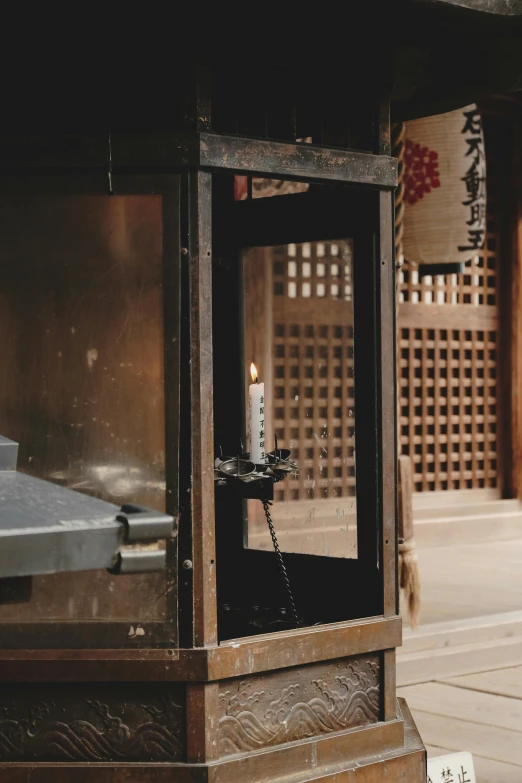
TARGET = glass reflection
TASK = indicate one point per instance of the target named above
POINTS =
(81, 322)
(299, 331)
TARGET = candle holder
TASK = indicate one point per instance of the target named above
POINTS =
(249, 480)
(256, 481)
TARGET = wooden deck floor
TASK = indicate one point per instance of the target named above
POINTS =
(481, 713)
(470, 580)
(462, 671)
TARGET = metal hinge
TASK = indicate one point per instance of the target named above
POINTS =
(143, 547)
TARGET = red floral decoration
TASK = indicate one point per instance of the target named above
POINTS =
(421, 171)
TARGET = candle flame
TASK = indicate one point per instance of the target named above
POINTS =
(253, 372)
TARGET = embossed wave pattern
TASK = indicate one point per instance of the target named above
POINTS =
(103, 738)
(250, 719)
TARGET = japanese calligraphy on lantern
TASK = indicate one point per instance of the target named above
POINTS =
(475, 181)
(444, 179)
(453, 768)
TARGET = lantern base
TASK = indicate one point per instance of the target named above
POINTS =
(391, 751)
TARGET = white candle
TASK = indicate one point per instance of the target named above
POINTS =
(256, 397)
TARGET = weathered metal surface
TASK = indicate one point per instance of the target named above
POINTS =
(48, 529)
(92, 723)
(237, 658)
(300, 161)
(278, 707)
(391, 751)
(211, 151)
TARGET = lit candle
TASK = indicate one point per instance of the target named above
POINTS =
(256, 397)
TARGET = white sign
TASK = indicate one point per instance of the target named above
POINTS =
(453, 768)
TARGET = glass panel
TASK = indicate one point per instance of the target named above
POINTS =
(299, 331)
(81, 388)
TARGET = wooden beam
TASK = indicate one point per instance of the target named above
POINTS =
(230, 659)
(209, 151)
(387, 434)
(202, 490)
(459, 316)
(297, 161)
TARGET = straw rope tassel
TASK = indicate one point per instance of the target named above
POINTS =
(409, 577)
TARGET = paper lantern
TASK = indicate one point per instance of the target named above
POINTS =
(444, 188)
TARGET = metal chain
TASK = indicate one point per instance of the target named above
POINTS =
(398, 139)
(281, 562)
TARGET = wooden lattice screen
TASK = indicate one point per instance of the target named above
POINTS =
(313, 372)
(447, 343)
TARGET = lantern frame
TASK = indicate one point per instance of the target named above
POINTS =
(197, 673)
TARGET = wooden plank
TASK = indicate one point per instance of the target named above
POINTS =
(503, 682)
(388, 409)
(230, 659)
(382, 747)
(201, 374)
(295, 161)
(310, 755)
(275, 651)
(458, 316)
(324, 310)
(468, 658)
(489, 771)
(459, 702)
(450, 498)
(467, 530)
(489, 741)
(218, 152)
(494, 506)
(452, 633)
(462, 580)
(317, 542)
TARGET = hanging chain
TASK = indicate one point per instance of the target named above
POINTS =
(398, 138)
(281, 562)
